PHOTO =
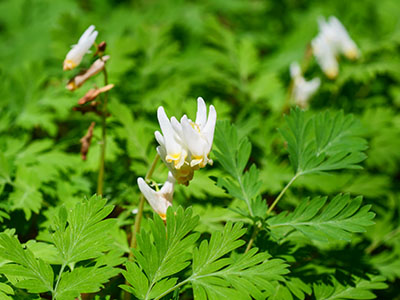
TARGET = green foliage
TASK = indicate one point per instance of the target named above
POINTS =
(323, 221)
(167, 255)
(322, 143)
(79, 234)
(360, 288)
(26, 271)
(240, 277)
(233, 154)
(213, 274)
(6, 291)
(236, 55)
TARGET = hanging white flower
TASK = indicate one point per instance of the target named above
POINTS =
(159, 200)
(337, 35)
(303, 90)
(325, 55)
(331, 41)
(75, 55)
(185, 146)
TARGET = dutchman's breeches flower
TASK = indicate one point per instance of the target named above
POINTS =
(331, 41)
(303, 90)
(75, 55)
(159, 200)
(339, 38)
(326, 56)
(185, 146)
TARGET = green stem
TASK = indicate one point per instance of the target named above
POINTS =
(100, 178)
(257, 228)
(376, 244)
(173, 288)
(253, 237)
(239, 179)
(282, 193)
(138, 219)
(58, 280)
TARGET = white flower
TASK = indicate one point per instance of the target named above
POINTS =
(160, 200)
(75, 55)
(337, 35)
(303, 90)
(185, 146)
(325, 55)
(332, 40)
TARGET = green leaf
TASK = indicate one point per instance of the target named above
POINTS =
(322, 220)
(215, 276)
(161, 253)
(233, 154)
(82, 233)
(138, 280)
(31, 273)
(5, 291)
(83, 280)
(5, 169)
(324, 142)
(26, 195)
(290, 288)
(361, 289)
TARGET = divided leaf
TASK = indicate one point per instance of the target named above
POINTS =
(81, 233)
(233, 156)
(25, 271)
(361, 289)
(6, 291)
(161, 254)
(237, 277)
(324, 142)
(337, 220)
(83, 280)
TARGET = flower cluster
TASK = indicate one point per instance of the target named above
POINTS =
(331, 41)
(184, 147)
(303, 90)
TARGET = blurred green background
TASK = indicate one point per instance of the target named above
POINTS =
(234, 53)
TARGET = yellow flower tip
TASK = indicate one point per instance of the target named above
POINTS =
(332, 73)
(71, 85)
(69, 65)
(352, 54)
(163, 216)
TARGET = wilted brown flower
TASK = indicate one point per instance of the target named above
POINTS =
(85, 141)
(94, 69)
(93, 93)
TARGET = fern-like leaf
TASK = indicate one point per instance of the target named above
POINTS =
(361, 289)
(325, 142)
(322, 220)
(161, 254)
(25, 271)
(241, 277)
(81, 233)
(233, 154)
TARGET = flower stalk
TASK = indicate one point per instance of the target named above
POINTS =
(103, 142)
(139, 215)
